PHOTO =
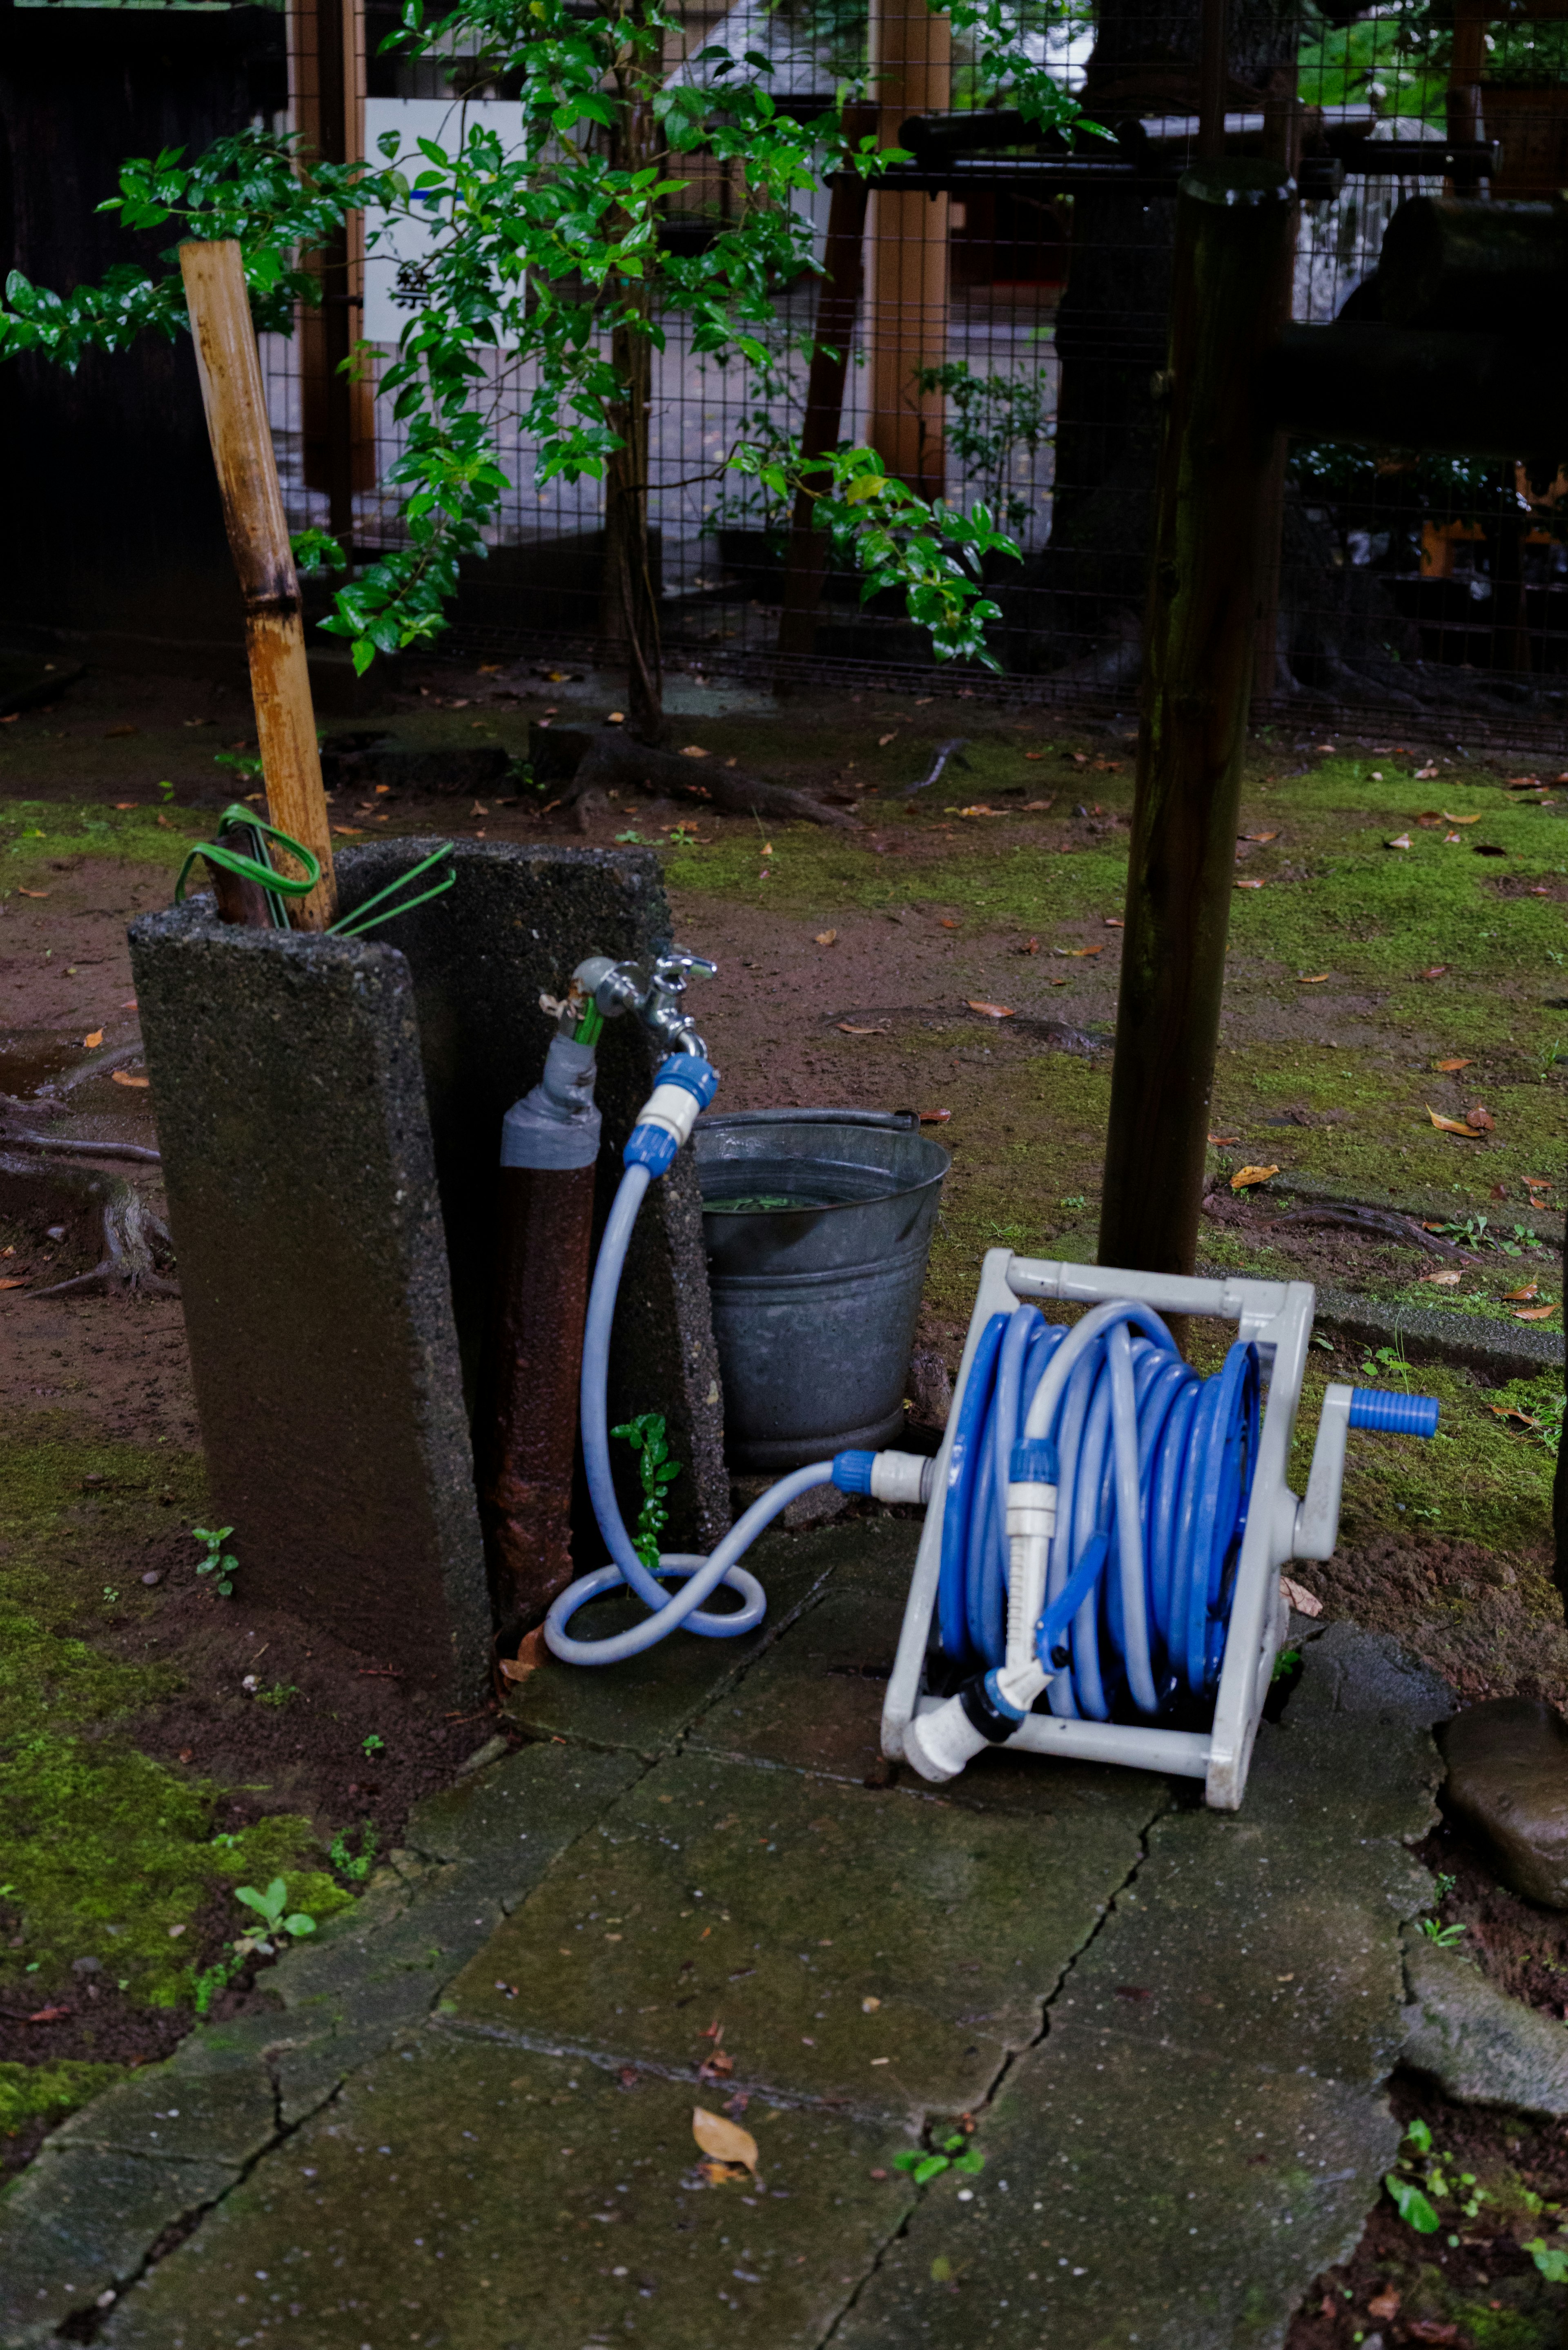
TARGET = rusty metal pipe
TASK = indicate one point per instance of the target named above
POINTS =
(525, 1432)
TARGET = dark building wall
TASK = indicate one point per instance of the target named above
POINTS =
(112, 523)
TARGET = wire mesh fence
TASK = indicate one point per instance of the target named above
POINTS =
(1005, 339)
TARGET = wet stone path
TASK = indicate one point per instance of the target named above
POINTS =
(469, 2123)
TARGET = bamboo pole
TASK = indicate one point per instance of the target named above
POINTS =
(906, 322)
(235, 405)
(1232, 226)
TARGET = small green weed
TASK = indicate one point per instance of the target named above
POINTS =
(110, 1594)
(1443, 1936)
(270, 1908)
(374, 1744)
(279, 1694)
(1286, 1664)
(954, 2153)
(218, 1561)
(357, 1866)
(1074, 1199)
(1388, 1362)
(645, 1436)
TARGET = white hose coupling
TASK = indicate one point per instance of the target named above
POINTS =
(909, 1477)
(1031, 1511)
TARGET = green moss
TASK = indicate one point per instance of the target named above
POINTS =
(31, 2093)
(107, 1852)
(35, 834)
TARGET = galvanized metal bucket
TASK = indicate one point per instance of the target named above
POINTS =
(817, 1224)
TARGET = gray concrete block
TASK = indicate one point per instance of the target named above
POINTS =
(1477, 2043)
(329, 1112)
(303, 1201)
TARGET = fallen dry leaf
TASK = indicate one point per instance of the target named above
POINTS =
(1513, 1411)
(95, 1037)
(1522, 783)
(935, 1116)
(991, 1011)
(827, 938)
(1432, 2329)
(767, 849)
(1403, 841)
(1259, 836)
(1523, 1296)
(726, 2141)
(1079, 758)
(30, 893)
(1442, 1280)
(946, 924)
(1028, 946)
(1038, 808)
(980, 809)
(163, 820)
(1079, 953)
(850, 1030)
(124, 805)
(1246, 1176)
(1107, 767)
(1436, 971)
(110, 731)
(1447, 1067)
(1452, 1125)
(693, 751)
(1297, 1595)
(17, 1281)
(1426, 775)
(347, 831)
(124, 1077)
(883, 741)
(1311, 978)
(1534, 1313)
(1223, 1141)
(1383, 2304)
(1114, 922)
(1449, 818)
(51, 2014)
(1034, 754)
(1537, 1183)
(1250, 885)
(1481, 1118)
(530, 1656)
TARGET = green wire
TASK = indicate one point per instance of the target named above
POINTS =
(590, 1027)
(354, 925)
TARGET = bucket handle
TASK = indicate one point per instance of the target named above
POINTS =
(903, 1121)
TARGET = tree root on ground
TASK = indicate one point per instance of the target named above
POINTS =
(575, 763)
(102, 1215)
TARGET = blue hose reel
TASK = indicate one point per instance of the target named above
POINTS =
(1162, 1519)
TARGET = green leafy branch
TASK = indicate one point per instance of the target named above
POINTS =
(954, 2153)
(645, 1436)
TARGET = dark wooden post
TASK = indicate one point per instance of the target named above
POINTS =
(1233, 224)
(327, 70)
(838, 307)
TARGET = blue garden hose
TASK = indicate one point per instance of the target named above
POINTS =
(1147, 1467)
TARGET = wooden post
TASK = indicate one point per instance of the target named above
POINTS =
(326, 88)
(1213, 81)
(911, 49)
(1465, 119)
(1282, 145)
(1232, 222)
(235, 404)
(838, 305)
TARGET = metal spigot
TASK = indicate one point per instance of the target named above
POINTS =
(653, 992)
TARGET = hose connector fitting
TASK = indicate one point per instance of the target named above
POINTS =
(684, 1086)
(992, 1713)
(908, 1477)
(1032, 1489)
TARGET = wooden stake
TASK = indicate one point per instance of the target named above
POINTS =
(237, 424)
(1232, 228)
(907, 320)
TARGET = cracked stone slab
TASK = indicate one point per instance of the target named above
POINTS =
(647, 1703)
(78, 2223)
(1478, 2045)
(1204, 2125)
(471, 2195)
(881, 1948)
(193, 2123)
(814, 1702)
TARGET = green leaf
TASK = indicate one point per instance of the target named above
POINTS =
(908, 2158)
(971, 2164)
(941, 2269)
(1552, 2259)
(1419, 2137)
(931, 2167)
(1411, 2204)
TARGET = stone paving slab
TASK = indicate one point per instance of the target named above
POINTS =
(1203, 2127)
(168, 2142)
(779, 1905)
(647, 1703)
(478, 2197)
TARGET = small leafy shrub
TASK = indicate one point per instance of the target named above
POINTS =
(355, 1866)
(953, 2153)
(218, 1561)
(645, 1436)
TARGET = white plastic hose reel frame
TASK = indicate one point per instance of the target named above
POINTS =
(1277, 1316)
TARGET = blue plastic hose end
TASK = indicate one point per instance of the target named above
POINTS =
(852, 1472)
(1003, 1706)
(1394, 1415)
(652, 1147)
(1032, 1461)
(691, 1071)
